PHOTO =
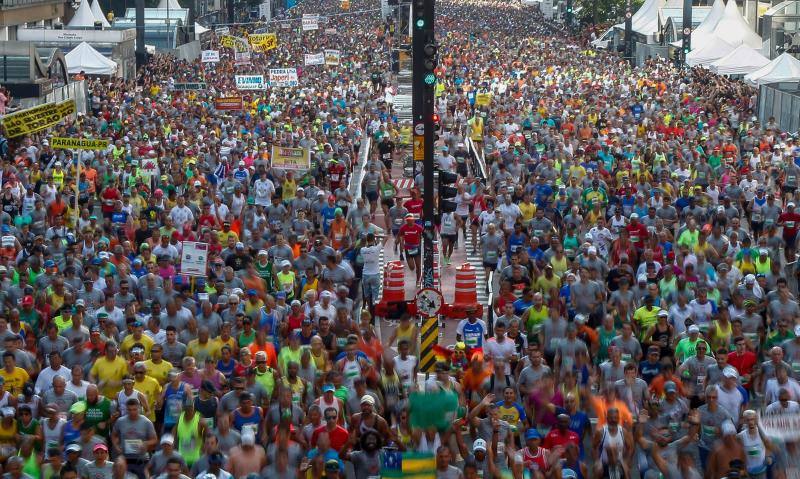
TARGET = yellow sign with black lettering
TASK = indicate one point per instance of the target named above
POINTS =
(419, 147)
(483, 99)
(78, 144)
(237, 43)
(38, 118)
(263, 42)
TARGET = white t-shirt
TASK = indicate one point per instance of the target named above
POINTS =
(371, 255)
(500, 352)
(405, 370)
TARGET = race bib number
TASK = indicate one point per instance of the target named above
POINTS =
(412, 251)
(132, 446)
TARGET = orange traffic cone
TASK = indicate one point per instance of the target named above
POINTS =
(466, 286)
(394, 287)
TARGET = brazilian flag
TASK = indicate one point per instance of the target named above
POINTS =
(408, 465)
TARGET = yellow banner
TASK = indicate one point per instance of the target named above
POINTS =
(78, 144)
(263, 42)
(37, 118)
(290, 158)
(237, 43)
(483, 99)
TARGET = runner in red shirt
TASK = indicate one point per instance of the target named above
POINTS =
(410, 235)
(414, 204)
(534, 457)
(638, 232)
(743, 360)
(561, 435)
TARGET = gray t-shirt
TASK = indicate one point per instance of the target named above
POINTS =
(93, 471)
(132, 435)
(159, 460)
(583, 295)
(365, 464)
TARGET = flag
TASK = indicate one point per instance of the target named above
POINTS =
(433, 409)
(408, 465)
(442, 353)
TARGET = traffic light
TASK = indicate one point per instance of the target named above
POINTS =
(419, 14)
(447, 193)
(569, 13)
(437, 126)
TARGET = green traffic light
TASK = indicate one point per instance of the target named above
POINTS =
(420, 23)
(430, 79)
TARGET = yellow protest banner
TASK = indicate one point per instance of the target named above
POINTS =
(296, 159)
(78, 143)
(263, 42)
(38, 118)
(237, 43)
(483, 99)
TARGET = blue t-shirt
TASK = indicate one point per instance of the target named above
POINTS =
(473, 334)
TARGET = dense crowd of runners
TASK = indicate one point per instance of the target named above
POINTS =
(640, 222)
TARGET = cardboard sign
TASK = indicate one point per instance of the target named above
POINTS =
(283, 77)
(295, 159)
(314, 59)
(250, 82)
(263, 42)
(38, 118)
(209, 56)
(310, 22)
(194, 257)
(483, 99)
(78, 144)
(229, 103)
(189, 86)
(332, 57)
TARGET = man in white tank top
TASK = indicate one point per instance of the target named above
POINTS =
(612, 440)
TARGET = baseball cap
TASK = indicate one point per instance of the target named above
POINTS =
(73, 447)
(750, 279)
(670, 387)
(479, 445)
(797, 330)
(663, 313)
(730, 372)
(78, 407)
(329, 388)
(694, 329)
(367, 399)
(167, 439)
(332, 465)
(248, 437)
(532, 434)
(27, 300)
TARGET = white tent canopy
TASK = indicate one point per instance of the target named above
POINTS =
(783, 69)
(98, 13)
(703, 31)
(169, 4)
(645, 20)
(83, 16)
(741, 61)
(84, 58)
(712, 51)
(199, 30)
(734, 29)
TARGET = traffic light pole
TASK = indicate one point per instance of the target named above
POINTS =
(686, 46)
(423, 46)
(629, 30)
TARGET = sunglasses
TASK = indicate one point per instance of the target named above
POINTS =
(330, 418)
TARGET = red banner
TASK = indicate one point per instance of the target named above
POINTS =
(229, 103)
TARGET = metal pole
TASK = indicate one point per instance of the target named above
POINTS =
(423, 45)
(628, 30)
(686, 45)
(141, 51)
